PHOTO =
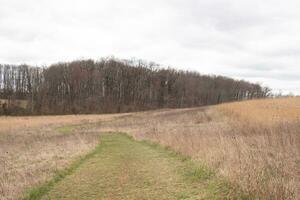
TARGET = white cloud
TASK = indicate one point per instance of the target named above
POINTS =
(251, 39)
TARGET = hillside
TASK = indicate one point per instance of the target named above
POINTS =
(112, 85)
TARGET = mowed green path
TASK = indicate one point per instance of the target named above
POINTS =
(124, 169)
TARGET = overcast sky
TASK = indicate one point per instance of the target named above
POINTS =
(255, 40)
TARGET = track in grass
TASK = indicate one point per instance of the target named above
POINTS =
(123, 169)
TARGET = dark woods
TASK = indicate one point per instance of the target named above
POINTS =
(112, 85)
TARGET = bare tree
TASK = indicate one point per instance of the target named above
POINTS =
(112, 85)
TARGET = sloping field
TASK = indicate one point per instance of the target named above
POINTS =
(253, 145)
(266, 111)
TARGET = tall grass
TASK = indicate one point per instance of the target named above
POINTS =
(266, 147)
(254, 144)
(33, 149)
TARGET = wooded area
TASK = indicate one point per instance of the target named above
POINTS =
(112, 85)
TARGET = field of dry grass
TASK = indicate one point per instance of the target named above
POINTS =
(254, 144)
(267, 134)
(32, 149)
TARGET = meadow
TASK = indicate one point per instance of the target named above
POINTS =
(254, 145)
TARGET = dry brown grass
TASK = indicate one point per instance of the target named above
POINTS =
(255, 144)
(33, 148)
(8, 124)
(267, 134)
(265, 111)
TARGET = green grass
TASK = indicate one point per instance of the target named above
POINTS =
(123, 169)
(67, 129)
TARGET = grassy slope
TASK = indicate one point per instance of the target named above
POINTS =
(121, 168)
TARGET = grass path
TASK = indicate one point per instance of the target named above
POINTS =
(123, 169)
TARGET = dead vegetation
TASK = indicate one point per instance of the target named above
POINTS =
(33, 148)
(254, 144)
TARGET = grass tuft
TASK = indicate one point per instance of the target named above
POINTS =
(200, 173)
(66, 129)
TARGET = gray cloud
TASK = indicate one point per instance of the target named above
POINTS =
(251, 39)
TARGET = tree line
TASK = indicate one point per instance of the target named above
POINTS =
(113, 85)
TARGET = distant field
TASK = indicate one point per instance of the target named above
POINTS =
(252, 144)
(266, 111)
